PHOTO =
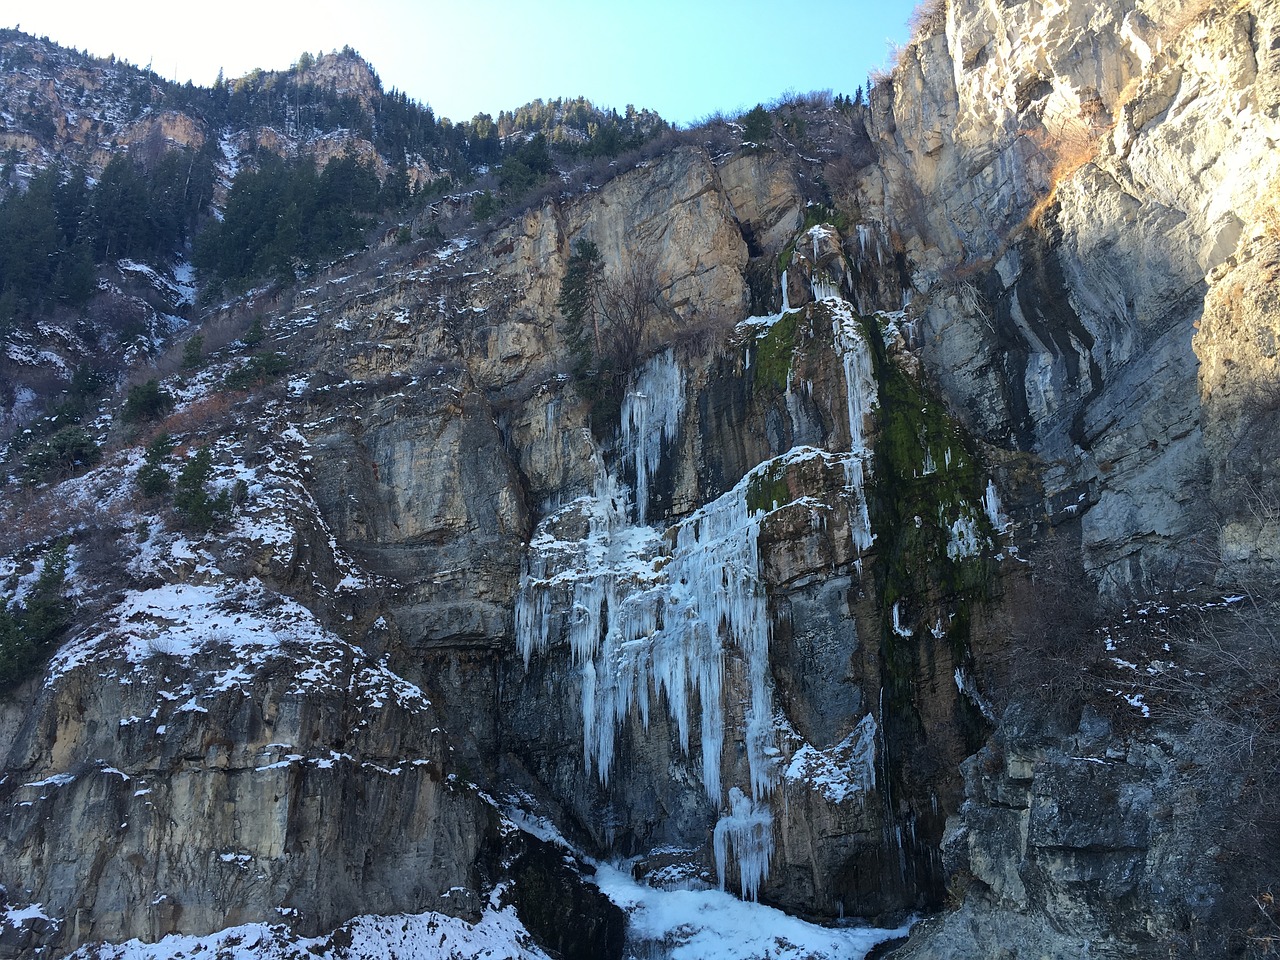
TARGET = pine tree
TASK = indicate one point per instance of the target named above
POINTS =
(578, 305)
(146, 402)
(153, 478)
(757, 125)
(199, 511)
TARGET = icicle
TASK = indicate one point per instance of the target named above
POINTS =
(747, 832)
(861, 396)
(964, 540)
(898, 628)
(786, 303)
(991, 504)
(617, 591)
(824, 289)
(651, 413)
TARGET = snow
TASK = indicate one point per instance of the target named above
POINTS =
(16, 917)
(57, 780)
(842, 771)
(183, 619)
(713, 925)
(498, 935)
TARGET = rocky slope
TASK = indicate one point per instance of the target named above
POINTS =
(805, 622)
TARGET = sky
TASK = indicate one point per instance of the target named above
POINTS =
(685, 59)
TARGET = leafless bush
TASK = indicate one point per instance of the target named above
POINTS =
(813, 100)
(929, 18)
(628, 304)
(203, 416)
(1051, 617)
(1226, 686)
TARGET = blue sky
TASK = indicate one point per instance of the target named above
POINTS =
(684, 59)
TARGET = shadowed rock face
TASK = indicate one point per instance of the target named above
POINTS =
(440, 601)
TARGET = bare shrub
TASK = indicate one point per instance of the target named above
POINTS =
(1067, 150)
(628, 304)
(211, 413)
(927, 19)
(1051, 616)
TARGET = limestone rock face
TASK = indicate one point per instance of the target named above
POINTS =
(1069, 187)
(219, 794)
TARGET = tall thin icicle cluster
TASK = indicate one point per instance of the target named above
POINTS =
(746, 831)
(651, 413)
(637, 625)
(861, 396)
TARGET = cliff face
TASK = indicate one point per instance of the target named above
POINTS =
(1088, 176)
(747, 633)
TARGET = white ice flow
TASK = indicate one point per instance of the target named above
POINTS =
(647, 615)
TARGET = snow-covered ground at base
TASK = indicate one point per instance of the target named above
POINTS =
(674, 924)
(498, 935)
(712, 925)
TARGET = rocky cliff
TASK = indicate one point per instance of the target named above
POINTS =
(804, 618)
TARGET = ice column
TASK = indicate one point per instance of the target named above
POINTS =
(651, 413)
(991, 504)
(861, 396)
(715, 586)
(746, 831)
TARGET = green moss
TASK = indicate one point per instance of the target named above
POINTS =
(774, 352)
(784, 258)
(926, 477)
(768, 489)
(819, 213)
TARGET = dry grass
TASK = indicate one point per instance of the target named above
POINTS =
(203, 415)
(1067, 151)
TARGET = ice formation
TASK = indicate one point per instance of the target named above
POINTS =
(991, 504)
(647, 615)
(651, 413)
(862, 395)
(965, 540)
(746, 831)
(639, 621)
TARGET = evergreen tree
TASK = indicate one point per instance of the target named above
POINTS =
(59, 456)
(153, 478)
(193, 352)
(147, 402)
(757, 126)
(29, 630)
(199, 511)
(17, 652)
(577, 303)
(46, 611)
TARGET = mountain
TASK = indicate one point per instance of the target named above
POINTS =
(859, 510)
